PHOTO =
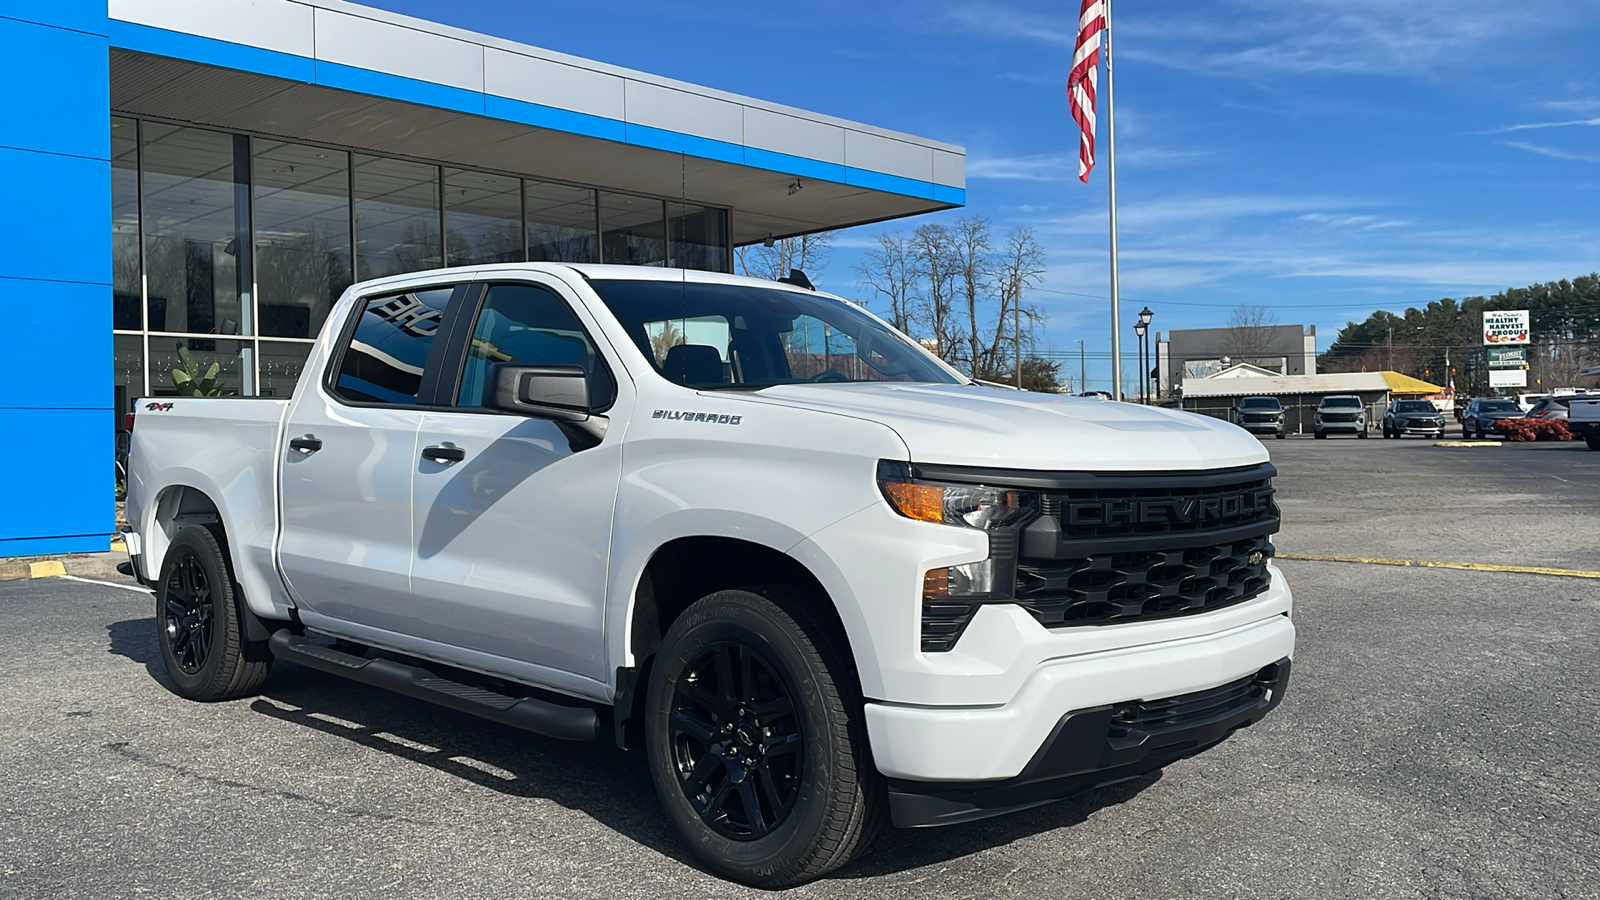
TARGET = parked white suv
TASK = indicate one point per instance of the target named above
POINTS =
(1340, 414)
(817, 574)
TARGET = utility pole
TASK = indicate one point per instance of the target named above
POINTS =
(1016, 332)
(1111, 182)
(1083, 371)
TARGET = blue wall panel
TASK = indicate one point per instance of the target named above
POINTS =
(64, 112)
(55, 275)
(88, 16)
(68, 489)
(66, 203)
(55, 345)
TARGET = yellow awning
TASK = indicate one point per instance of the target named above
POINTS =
(1405, 384)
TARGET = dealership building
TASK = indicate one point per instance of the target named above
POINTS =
(256, 157)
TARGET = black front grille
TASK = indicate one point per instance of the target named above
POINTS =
(1128, 509)
(1112, 588)
(1117, 547)
(1338, 417)
(1172, 713)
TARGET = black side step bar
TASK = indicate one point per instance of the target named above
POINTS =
(569, 723)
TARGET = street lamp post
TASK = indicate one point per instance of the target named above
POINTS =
(1143, 330)
(1138, 332)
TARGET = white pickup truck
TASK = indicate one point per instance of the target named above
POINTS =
(821, 577)
(1583, 418)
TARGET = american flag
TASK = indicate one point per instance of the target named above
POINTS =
(1085, 75)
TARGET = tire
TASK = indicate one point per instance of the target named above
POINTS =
(793, 815)
(1593, 441)
(1362, 434)
(1321, 434)
(197, 622)
(1280, 435)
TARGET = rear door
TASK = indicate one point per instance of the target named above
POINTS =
(512, 515)
(350, 448)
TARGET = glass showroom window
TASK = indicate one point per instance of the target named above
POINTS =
(196, 264)
(127, 297)
(397, 217)
(281, 362)
(699, 237)
(482, 218)
(561, 223)
(302, 236)
(632, 230)
(170, 355)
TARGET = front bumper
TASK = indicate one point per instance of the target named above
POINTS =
(1098, 746)
(1262, 427)
(1434, 430)
(995, 742)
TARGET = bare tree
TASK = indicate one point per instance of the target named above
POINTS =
(1249, 332)
(1019, 267)
(932, 250)
(887, 269)
(808, 253)
(971, 254)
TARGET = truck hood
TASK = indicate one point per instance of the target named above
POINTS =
(978, 426)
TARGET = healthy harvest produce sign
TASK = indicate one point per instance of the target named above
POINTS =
(1505, 326)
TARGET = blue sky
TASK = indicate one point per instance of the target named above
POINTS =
(1324, 158)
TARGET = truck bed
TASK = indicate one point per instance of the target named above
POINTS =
(225, 448)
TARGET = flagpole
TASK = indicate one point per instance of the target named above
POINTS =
(1111, 180)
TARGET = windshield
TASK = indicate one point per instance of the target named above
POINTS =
(1414, 406)
(1349, 402)
(1499, 406)
(735, 336)
(1258, 403)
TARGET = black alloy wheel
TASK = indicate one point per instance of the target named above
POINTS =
(199, 627)
(737, 745)
(190, 612)
(756, 737)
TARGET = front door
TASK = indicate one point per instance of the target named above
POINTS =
(350, 448)
(512, 517)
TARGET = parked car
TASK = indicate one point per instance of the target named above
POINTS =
(1405, 417)
(1583, 420)
(818, 592)
(1552, 407)
(1340, 414)
(1483, 415)
(1259, 415)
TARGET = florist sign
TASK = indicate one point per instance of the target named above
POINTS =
(1505, 326)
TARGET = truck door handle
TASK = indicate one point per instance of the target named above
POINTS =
(307, 445)
(442, 453)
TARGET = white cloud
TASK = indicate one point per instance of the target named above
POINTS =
(1265, 38)
(1552, 152)
(1529, 126)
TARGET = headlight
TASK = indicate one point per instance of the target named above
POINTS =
(963, 505)
(989, 509)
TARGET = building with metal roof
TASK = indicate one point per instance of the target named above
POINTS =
(262, 155)
(1299, 394)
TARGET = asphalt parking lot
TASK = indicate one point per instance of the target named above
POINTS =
(1439, 739)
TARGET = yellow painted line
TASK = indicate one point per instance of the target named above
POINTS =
(48, 569)
(1439, 564)
(1467, 443)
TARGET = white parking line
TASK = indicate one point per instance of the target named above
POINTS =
(126, 587)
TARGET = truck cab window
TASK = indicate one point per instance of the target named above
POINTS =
(525, 323)
(389, 347)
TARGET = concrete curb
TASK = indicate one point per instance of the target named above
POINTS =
(1467, 443)
(85, 565)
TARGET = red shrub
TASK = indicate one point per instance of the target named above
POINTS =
(1534, 429)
